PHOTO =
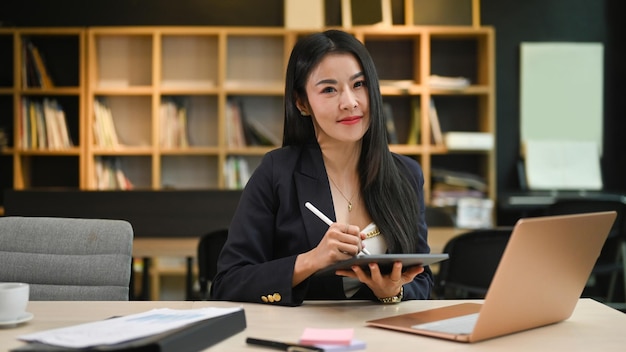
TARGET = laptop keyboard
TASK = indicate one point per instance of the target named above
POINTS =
(457, 325)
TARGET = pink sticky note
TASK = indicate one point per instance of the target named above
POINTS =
(312, 336)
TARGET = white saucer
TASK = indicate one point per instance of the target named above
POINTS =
(21, 319)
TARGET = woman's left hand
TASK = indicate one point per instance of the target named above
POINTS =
(383, 285)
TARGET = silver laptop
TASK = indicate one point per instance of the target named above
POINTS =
(539, 280)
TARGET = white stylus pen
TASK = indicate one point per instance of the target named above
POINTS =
(325, 219)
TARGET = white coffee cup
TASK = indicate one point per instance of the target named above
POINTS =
(13, 300)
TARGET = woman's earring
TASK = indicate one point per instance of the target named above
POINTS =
(304, 113)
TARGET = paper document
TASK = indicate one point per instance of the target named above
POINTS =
(130, 327)
(562, 165)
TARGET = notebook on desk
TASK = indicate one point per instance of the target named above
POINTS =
(541, 275)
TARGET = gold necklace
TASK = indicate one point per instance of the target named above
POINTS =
(343, 195)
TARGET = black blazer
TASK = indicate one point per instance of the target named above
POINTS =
(271, 226)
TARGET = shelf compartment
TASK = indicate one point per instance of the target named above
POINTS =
(255, 61)
(463, 54)
(201, 119)
(404, 64)
(123, 61)
(189, 172)
(138, 170)
(61, 53)
(7, 73)
(189, 62)
(132, 117)
(43, 170)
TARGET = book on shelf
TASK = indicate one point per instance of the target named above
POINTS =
(105, 134)
(173, 128)
(42, 125)
(447, 82)
(459, 178)
(234, 126)
(236, 172)
(416, 122)
(38, 66)
(460, 140)
(448, 195)
(435, 127)
(255, 132)
(259, 134)
(402, 84)
(110, 175)
(56, 125)
(390, 124)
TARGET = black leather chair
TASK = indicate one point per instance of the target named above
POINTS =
(610, 268)
(209, 249)
(474, 257)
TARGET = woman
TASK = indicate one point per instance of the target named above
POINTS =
(335, 155)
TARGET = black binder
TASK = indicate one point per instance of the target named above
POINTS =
(190, 338)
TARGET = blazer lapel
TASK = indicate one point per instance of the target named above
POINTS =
(312, 186)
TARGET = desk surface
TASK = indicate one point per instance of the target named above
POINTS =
(592, 327)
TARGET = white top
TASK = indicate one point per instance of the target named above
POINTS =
(375, 244)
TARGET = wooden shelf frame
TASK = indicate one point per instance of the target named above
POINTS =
(136, 68)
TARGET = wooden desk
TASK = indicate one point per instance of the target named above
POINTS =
(592, 327)
(187, 247)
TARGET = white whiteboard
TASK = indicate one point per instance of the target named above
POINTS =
(561, 92)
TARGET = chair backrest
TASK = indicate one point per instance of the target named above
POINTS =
(438, 217)
(474, 258)
(564, 207)
(209, 249)
(67, 258)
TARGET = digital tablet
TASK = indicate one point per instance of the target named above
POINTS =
(385, 262)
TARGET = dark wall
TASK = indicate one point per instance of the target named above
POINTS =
(557, 20)
(141, 12)
(514, 21)
(554, 20)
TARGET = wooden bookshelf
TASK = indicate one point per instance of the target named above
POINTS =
(26, 165)
(135, 69)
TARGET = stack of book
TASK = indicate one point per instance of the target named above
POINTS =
(105, 134)
(450, 186)
(236, 172)
(43, 125)
(109, 174)
(444, 82)
(173, 118)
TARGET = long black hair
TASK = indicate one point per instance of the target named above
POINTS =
(390, 198)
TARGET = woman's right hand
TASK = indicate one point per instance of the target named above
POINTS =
(340, 242)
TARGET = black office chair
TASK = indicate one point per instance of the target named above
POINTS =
(438, 217)
(474, 257)
(209, 249)
(610, 268)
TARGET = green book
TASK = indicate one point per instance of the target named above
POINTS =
(416, 121)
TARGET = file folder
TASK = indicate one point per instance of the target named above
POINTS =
(190, 338)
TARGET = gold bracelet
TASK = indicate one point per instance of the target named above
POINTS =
(394, 299)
